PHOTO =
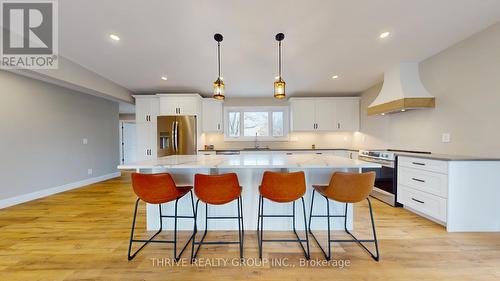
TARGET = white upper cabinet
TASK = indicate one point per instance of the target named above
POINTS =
(180, 104)
(347, 114)
(146, 108)
(212, 115)
(302, 115)
(324, 114)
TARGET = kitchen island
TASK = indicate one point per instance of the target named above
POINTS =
(317, 168)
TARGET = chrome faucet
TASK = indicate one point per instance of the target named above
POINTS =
(256, 145)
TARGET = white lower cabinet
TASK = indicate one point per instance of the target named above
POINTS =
(423, 202)
(460, 194)
(423, 186)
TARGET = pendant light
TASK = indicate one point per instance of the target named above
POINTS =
(218, 84)
(279, 83)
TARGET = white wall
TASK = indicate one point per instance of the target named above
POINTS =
(42, 127)
(465, 79)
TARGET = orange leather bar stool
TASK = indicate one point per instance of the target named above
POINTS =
(159, 189)
(346, 188)
(217, 190)
(282, 188)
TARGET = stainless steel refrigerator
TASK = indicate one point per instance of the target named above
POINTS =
(176, 135)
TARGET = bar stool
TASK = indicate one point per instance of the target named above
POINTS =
(159, 189)
(217, 190)
(282, 188)
(346, 188)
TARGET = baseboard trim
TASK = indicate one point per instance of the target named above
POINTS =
(4, 203)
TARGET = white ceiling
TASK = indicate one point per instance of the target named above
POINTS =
(322, 38)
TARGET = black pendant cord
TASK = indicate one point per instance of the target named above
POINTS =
(279, 59)
(218, 58)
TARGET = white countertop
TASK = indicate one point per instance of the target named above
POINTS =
(274, 161)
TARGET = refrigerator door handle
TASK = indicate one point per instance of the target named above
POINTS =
(176, 136)
(173, 136)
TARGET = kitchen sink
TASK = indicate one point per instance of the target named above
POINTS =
(256, 148)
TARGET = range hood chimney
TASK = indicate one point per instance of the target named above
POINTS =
(402, 90)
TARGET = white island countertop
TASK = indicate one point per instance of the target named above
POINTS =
(271, 161)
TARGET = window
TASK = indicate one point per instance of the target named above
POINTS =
(256, 124)
(234, 124)
(263, 123)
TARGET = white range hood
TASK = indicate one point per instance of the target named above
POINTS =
(402, 90)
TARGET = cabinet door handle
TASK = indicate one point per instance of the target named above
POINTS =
(418, 163)
(419, 180)
(338, 125)
(416, 200)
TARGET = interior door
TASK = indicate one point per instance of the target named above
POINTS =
(186, 135)
(128, 143)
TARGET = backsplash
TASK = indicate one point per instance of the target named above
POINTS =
(296, 140)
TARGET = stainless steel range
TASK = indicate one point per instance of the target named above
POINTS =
(385, 188)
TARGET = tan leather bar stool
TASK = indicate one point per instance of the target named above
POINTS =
(217, 190)
(159, 189)
(282, 188)
(346, 188)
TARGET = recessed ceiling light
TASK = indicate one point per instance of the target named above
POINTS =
(114, 37)
(384, 34)
(164, 78)
(335, 76)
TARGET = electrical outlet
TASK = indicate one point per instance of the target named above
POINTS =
(446, 137)
(89, 172)
(294, 138)
(85, 141)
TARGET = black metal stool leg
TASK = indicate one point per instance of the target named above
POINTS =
(328, 229)
(195, 230)
(327, 216)
(360, 242)
(130, 257)
(178, 257)
(261, 226)
(308, 255)
(240, 234)
(311, 211)
(241, 213)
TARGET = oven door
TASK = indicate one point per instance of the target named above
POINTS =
(385, 184)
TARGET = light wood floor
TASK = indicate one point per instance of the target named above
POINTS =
(83, 235)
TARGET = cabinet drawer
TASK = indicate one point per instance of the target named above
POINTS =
(424, 164)
(425, 203)
(434, 183)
